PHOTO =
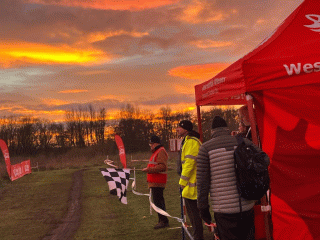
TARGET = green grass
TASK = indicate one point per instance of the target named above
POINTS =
(104, 217)
(31, 206)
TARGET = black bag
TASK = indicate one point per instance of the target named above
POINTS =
(251, 171)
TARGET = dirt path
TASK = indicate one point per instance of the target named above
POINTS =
(71, 221)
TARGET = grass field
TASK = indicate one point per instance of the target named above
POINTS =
(31, 206)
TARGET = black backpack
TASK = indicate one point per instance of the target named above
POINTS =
(251, 171)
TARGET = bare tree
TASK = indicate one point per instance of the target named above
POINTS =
(92, 120)
(44, 134)
(71, 127)
(230, 115)
(26, 136)
(134, 130)
(100, 125)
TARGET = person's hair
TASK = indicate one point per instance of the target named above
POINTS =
(244, 115)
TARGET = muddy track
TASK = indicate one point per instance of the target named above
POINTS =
(71, 221)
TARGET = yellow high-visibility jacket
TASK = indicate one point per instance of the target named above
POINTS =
(189, 152)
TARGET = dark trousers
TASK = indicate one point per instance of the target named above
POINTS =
(237, 226)
(195, 219)
(158, 200)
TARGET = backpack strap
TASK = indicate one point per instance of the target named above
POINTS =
(239, 140)
(248, 132)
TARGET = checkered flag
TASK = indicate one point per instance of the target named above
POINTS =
(118, 180)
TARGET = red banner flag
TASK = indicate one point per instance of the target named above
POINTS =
(122, 152)
(6, 156)
(20, 169)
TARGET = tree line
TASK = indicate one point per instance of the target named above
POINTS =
(84, 127)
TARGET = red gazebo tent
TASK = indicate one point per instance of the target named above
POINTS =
(282, 75)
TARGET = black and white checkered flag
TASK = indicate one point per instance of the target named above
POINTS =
(118, 180)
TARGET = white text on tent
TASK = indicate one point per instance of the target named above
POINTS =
(213, 82)
(307, 68)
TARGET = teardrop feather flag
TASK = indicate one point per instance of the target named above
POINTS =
(6, 156)
(122, 152)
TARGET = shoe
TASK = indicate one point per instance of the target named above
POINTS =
(161, 225)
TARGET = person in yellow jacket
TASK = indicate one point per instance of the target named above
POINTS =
(188, 152)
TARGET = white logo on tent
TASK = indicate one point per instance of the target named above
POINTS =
(316, 22)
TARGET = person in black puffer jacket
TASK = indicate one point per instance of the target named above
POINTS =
(216, 175)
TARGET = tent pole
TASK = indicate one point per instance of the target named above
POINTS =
(252, 119)
(255, 140)
(199, 123)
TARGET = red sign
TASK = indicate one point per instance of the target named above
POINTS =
(6, 155)
(175, 145)
(14, 171)
(122, 152)
(20, 169)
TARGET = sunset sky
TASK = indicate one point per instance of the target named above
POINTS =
(57, 55)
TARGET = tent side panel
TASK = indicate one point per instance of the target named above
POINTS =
(289, 127)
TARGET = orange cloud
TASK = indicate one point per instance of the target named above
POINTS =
(261, 21)
(24, 111)
(93, 72)
(108, 4)
(194, 13)
(183, 107)
(211, 44)
(111, 97)
(185, 89)
(23, 53)
(198, 72)
(53, 102)
(52, 115)
(74, 91)
(100, 36)
(55, 115)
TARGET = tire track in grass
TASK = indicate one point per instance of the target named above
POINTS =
(71, 221)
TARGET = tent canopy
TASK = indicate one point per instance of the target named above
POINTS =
(285, 59)
(283, 76)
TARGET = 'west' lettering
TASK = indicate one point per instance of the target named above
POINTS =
(298, 68)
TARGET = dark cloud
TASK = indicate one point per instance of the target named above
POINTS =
(56, 24)
(107, 104)
(5, 101)
(169, 99)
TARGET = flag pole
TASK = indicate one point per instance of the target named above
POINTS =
(199, 123)
(182, 214)
(150, 197)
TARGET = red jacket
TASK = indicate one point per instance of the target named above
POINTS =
(157, 167)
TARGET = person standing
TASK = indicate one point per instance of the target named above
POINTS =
(243, 130)
(245, 120)
(188, 152)
(157, 177)
(216, 175)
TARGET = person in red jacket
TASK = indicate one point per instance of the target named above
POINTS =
(157, 177)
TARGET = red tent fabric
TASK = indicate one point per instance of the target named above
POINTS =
(283, 76)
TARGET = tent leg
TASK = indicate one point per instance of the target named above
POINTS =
(199, 123)
(256, 141)
(252, 119)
